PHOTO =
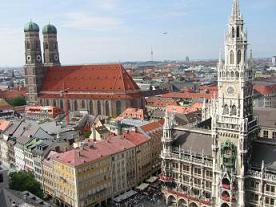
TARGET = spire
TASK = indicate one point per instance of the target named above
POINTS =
(236, 9)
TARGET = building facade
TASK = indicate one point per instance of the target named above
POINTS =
(222, 162)
(100, 89)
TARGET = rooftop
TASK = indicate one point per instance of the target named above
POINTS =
(88, 81)
(197, 142)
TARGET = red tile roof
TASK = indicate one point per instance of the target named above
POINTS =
(94, 151)
(136, 138)
(134, 113)
(4, 124)
(151, 126)
(90, 81)
(265, 89)
(12, 93)
(185, 109)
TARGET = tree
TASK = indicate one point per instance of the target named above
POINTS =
(25, 181)
(17, 101)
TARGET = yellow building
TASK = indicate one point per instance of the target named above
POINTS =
(96, 172)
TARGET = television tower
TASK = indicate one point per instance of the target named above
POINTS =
(151, 54)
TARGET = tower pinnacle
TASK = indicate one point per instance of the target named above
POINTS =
(236, 9)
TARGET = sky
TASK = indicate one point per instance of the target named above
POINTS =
(101, 31)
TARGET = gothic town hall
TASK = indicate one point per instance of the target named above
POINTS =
(221, 162)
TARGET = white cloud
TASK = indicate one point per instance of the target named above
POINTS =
(81, 20)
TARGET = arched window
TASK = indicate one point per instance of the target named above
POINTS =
(28, 46)
(82, 104)
(233, 32)
(54, 102)
(232, 74)
(233, 110)
(91, 107)
(99, 108)
(231, 57)
(47, 102)
(61, 104)
(118, 107)
(237, 74)
(75, 105)
(238, 32)
(107, 108)
(225, 109)
(239, 57)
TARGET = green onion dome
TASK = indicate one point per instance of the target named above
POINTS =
(31, 27)
(49, 29)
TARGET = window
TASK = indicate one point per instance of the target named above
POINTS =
(270, 188)
(231, 57)
(197, 171)
(274, 135)
(209, 174)
(238, 32)
(118, 107)
(265, 134)
(254, 184)
(239, 57)
(208, 184)
(99, 107)
(75, 105)
(269, 201)
(186, 168)
(107, 108)
(197, 181)
(233, 32)
(91, 107)
(225, 109)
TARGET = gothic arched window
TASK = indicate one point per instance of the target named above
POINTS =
(99, 108)
(75, 105)
(28, 46)
(239, 57)
(231, 57)
(233, 110)
(91, 107)
(61, 104)
(233, 32)
(238, 32)
(232, 74)
(237, 74)
(118, 107)
(225, 109)
(107, 108)
(83, 104)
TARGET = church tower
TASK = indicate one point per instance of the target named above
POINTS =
(233, 124)
(50, 46)
(34, 70)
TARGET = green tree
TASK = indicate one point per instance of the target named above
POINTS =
(17, 101)
(25, 181)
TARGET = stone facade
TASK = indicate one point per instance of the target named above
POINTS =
(227, 165)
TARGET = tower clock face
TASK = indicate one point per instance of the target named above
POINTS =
(230, 90)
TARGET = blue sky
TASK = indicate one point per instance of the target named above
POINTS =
(96, 31)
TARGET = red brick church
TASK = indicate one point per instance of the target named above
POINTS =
(101, 89)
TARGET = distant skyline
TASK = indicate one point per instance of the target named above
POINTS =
(100, 31)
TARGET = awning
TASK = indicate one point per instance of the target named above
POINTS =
(142, 186)
(124, 196)
(152, 179)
